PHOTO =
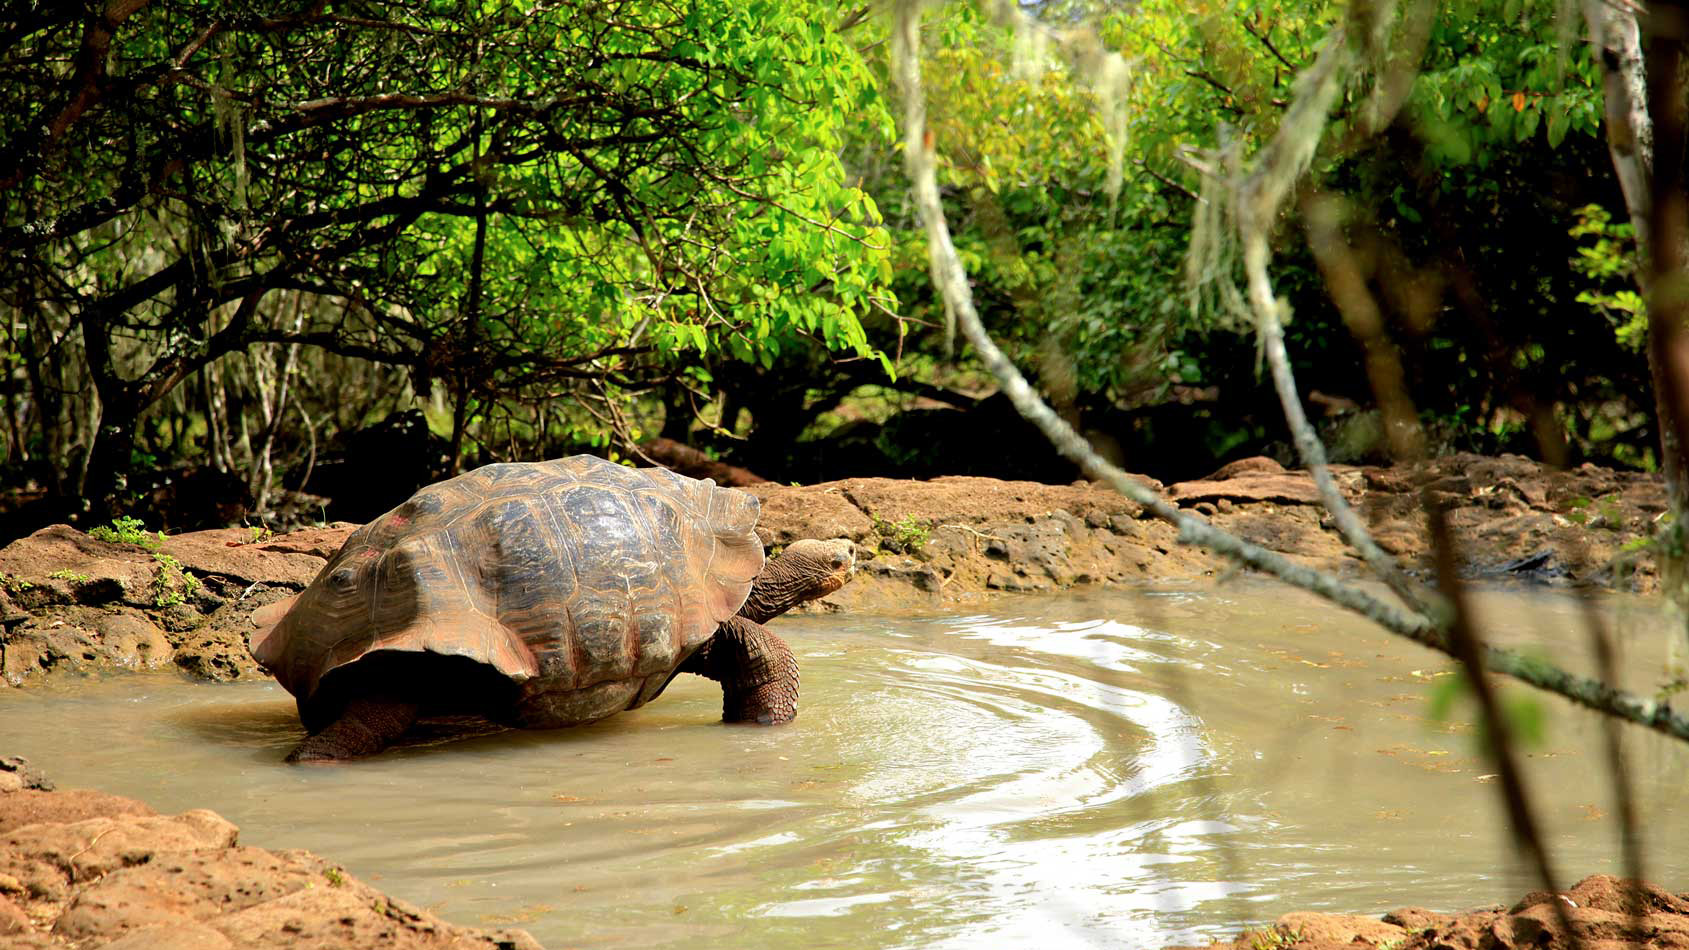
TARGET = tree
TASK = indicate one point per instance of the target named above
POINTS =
(566, 200)
(1473, 184)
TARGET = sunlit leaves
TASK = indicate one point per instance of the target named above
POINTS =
(1609, 261)
(1498, 74)
(660, 185)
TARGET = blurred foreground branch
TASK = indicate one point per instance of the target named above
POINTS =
(1257, 199)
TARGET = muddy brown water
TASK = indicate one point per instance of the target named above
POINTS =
(1122, 770)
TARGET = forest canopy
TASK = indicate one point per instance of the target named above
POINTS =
(533, 211)
(235, 233)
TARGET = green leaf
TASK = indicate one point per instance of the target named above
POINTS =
(1558, 123)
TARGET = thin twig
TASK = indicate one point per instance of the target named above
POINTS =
(1258, 200)
(1498, 732)
(1266, 40)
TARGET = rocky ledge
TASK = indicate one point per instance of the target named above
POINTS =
(1604, 913)
(81, 868)
(70, 602)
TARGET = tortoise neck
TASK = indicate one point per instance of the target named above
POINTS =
(775, 593)
(769, 600)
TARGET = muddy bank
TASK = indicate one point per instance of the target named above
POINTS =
(80, 868)
(1604, 913)
(69, 602)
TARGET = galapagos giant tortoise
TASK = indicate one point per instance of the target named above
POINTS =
(540, 595)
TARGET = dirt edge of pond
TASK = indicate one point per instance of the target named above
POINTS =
(1604, 912)
(81, 868)
(71, 603)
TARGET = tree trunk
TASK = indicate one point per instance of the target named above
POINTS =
(109, 457)
(1668, 298)
(1645, 136)
(1635, 90)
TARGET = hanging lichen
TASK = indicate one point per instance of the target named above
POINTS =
(1105, 73)
(229, 119)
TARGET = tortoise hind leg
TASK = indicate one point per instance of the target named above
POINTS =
(756, 670)
(367, 726)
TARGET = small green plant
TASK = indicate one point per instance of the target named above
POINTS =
(905, 534)
(171, 585)
(1612, 514)
(1389, 944)
(1274, 938)
(336, 878)
(386, 909)
(75, 577)
(260, 532)
(1609, 261)
(14, 584)
(126, 530)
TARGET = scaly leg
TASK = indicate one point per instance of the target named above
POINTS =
(366, 727)
(756, 670)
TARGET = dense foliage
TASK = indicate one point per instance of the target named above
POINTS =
(232, 232)
(1465, 210)
(527, 214)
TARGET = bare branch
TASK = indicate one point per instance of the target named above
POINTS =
(1468, 649)
(1257, 200)
(1263, 37)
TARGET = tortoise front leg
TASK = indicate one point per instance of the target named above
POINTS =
(368, 725)
(756, 670)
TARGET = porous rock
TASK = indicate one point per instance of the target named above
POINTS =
(37, 650)
(133, 641)
(124, 877)
(1606, 913)
(219, 655)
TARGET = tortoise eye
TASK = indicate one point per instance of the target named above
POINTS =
(343, 579)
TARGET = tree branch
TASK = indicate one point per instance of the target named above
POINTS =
(86, 89)
(1265, 40)
(1258, 200)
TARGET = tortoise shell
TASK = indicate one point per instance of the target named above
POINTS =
(583, 582)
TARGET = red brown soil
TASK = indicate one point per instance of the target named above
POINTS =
(1605, 913)
(81, 869)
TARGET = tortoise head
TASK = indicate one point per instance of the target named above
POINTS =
(304, 637)
(806, 570)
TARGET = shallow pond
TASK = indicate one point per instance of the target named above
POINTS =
(1128, 769)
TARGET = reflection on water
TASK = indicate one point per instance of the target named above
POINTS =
(1123, 769)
